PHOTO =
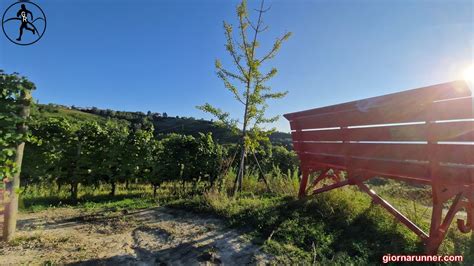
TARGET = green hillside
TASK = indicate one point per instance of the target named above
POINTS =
(162, 122)
(41, 111)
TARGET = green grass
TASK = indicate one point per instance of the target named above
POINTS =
(39, 198)
(136, 196)
(337, 227)
(89, 203)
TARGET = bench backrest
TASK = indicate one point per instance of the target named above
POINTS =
(411, 135)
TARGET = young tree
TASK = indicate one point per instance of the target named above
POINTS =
(15, 100)
(252, 92)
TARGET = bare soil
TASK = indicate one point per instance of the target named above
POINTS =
(157, 236)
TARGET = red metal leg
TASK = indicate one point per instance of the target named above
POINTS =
(324, 174)
(377, 199)
(319, 178)
(335, 177)
(441, 193)
(463, 226)
(304, 182)
(333, 186)
(438, 230)
(434, 240)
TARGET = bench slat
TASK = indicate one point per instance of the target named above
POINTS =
(448, 153)
(428, 94)
(456, 174)
(454, 153)
(385, 133)
(449, 131)
(327, 148)
(389, 133)
(319, 135)
(454, 131)
(317, 160)
(360, 117)
(406, 170)
(390, 168)
(413, 112)
(417, 152)
(453, 109)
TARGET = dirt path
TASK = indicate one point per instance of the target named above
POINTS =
(158, 236)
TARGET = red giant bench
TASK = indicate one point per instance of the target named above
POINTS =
(421, 136)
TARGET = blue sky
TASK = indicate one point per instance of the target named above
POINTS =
(159, 55)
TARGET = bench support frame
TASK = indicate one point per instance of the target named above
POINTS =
(462, 195)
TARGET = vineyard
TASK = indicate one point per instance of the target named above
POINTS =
(92, 153)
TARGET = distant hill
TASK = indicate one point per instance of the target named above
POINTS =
(162, 122)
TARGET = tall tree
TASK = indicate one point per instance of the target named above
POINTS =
(15, 100)
(252, 92)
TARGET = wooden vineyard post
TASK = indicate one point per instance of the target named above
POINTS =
(2, 210)
(11, 197)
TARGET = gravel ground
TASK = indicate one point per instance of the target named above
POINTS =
(157, 236)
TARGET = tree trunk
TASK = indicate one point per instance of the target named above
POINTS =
(195, 186)
(241, 173)
(112, 191)
(127, 183)
(11, 208)
(155, 187)
(73, 175)
(74, 189)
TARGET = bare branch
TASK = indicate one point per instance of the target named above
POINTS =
(222, 75)
(268, 76)
(224, 117)
(275, 95)
(243, 13)
(263, 10)
(264, 29)
(250, 23)
(230, 48)
(230, 74)
(276, 47)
